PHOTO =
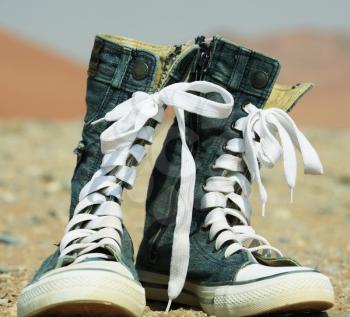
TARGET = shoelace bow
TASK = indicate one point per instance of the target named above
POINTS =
(222, 196)
(97, 219)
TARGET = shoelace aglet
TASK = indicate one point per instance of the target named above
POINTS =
(98, 121)
(168, 306)
(292, 195)
(263, 209)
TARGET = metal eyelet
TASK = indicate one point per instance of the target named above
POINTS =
(215, 251)
(224, 147)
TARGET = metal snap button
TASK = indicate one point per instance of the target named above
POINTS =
(140, 70)
(259, 79)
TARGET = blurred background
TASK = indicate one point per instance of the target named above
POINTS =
(45, 47)
(44, 51)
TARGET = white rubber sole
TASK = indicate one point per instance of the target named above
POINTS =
(100, 288)
(301, 291)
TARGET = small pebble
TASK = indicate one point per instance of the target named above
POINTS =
(6, 269)
(283, 240)
(4, 302)
(332, 269)
(9, 239)
(282, 213)
(47, 177)
(325, 210)
(299, 226)
(52, 187)
(348, 218)
(7, 198)
(53, 213)
(35, 220)
(33, 171)
(345, 180)
(66, 186)
(300, 243)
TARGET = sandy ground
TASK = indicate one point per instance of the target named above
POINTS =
(36, 163)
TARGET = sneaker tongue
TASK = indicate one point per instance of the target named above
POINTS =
(285, 97)
(108, 250)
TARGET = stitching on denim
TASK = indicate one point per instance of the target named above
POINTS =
(218, 50)
(101, 105)
(98, 158)
(206, 255)
(247, 67)
(149, 79)
(95, 57)
(113, 49)
(223, 122)
(275, 70)
(110, 91)
(123, 64)
(247, 70)
(203, 252)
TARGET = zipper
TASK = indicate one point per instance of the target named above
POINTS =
(198, 72)
(201, 63)
(169, 60)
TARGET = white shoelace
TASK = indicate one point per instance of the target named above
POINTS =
(91, 229)
(222, 196)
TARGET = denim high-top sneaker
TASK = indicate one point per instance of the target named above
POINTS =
(92, 272)
(219, 263)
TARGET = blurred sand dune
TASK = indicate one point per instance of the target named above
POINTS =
(320, 58)
(38, 83)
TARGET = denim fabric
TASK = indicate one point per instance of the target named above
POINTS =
(235, 68)
(110, 82)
